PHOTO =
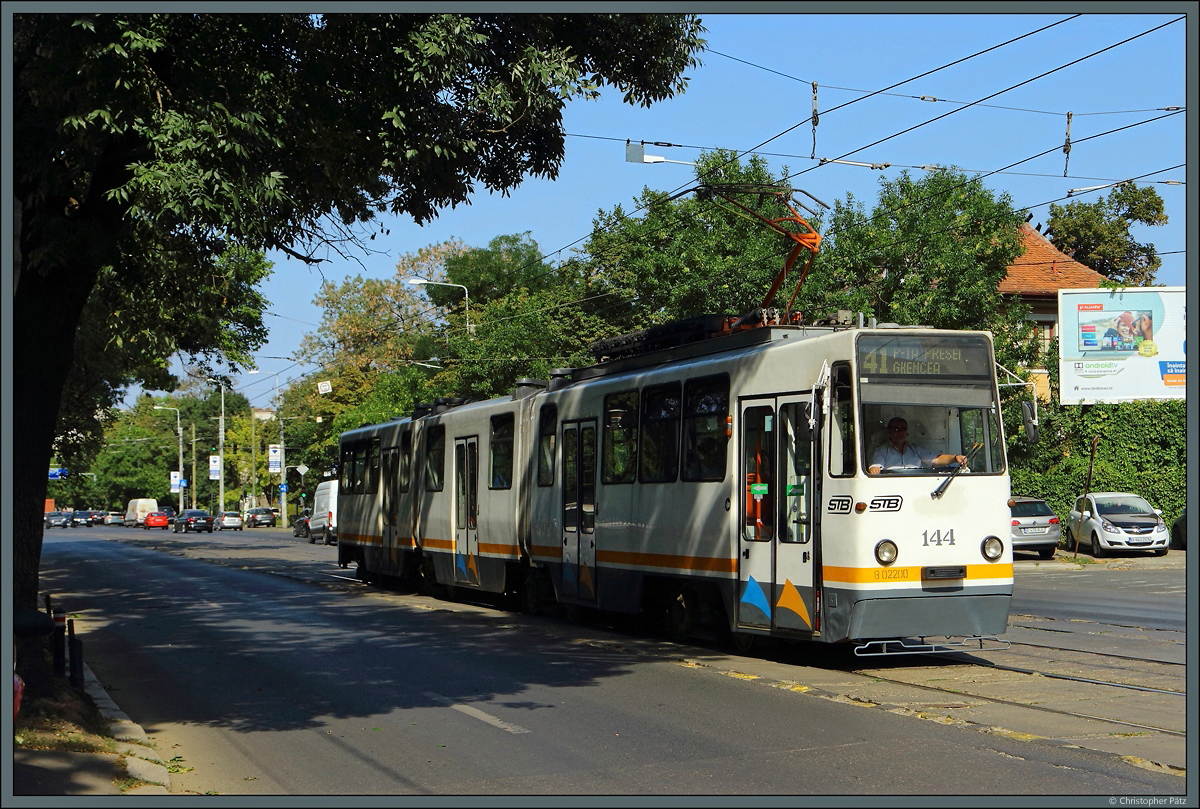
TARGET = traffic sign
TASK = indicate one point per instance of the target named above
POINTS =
(283, 487)
(57, 473)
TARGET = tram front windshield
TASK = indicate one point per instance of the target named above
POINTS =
(927, 405)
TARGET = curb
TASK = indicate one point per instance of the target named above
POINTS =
(140, 760)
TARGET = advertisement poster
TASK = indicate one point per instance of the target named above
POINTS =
(1116, 345)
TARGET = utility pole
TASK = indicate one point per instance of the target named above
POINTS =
(283, 515)
(193, 486)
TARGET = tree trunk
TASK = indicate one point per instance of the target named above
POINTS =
(47, 306)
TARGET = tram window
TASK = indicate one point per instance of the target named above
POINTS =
(758, 459)
(405, 476)
(460, 486)
(347, 482)
(796, 440)
(841, 432)
(371, 484)
(659, 457)
(501, 448)
(547, 429)
(435, 458)
(587, 479)
(620, 437)
(706, 407)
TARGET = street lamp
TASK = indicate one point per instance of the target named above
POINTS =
(282, 450)
(220, 448)
(179, 431)
(417, 282)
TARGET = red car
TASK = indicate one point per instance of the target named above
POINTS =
(156, 519)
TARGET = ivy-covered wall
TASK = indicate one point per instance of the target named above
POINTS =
(1142, 449)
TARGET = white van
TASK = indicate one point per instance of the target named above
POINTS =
(138, 508)
(323, 522)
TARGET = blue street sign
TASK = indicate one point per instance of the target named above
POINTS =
(283, 487)
(183, 483)
(58, 474)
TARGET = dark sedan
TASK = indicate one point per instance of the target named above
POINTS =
(256, 517)
(193, 519)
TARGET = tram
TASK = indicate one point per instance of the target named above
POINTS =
(712, 477)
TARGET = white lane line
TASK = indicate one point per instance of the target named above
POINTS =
(475, 713)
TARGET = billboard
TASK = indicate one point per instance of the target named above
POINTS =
(1116, 345)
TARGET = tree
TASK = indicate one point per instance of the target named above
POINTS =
(149, 145)
(695, 255)
(1098, 234)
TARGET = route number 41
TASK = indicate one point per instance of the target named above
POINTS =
(937, 538)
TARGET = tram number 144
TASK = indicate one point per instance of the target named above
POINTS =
(937, 538)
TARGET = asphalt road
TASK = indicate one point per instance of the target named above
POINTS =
(275, 685)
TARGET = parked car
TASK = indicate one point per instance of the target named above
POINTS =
(300, 524)
(1035, 527)
(229, 520)
(323, 523)
(260, 516)
(81, 517)
(1117, 521)
(98, 517)
(58, 519)
(193, 519)
(156, 519)
(1179, 531)
(114, 518)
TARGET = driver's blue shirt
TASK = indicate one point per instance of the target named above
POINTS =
(912, 457)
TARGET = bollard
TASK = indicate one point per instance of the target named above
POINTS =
(58, 643)
(76, 647)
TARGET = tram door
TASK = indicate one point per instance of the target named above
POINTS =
(466, 510)
(776, 539)
(579, 510)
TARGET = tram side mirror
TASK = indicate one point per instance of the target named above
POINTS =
(1030, 418)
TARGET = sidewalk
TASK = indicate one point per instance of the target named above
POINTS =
(49, 772)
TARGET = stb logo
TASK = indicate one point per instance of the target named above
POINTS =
(840, 504)
(887, 502)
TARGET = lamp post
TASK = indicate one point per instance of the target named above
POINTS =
(282, 451)
(179, 432)
(220, 449)
(417, 282)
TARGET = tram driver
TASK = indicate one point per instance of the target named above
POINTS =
(897, 453)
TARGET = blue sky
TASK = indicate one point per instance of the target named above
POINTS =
(1111, 71)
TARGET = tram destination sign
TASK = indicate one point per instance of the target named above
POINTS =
(930, 356)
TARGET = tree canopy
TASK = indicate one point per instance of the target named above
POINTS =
(150, 145)
(1098, 233)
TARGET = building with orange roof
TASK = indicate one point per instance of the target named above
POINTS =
(1036, 276)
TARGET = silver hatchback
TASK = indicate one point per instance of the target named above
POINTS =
(1035, 527)
(228, 520)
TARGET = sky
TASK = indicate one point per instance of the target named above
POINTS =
(989, 93)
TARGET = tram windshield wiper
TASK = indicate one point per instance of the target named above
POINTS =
(937, 493)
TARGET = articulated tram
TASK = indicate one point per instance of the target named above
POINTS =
(725, 481)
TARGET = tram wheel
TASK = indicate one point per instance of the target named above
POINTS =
(681, 616)
(529, 600)
(743, 642)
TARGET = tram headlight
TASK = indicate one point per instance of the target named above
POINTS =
(992, 548)
(885, 552)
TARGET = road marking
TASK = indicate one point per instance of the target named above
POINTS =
(475, 713)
